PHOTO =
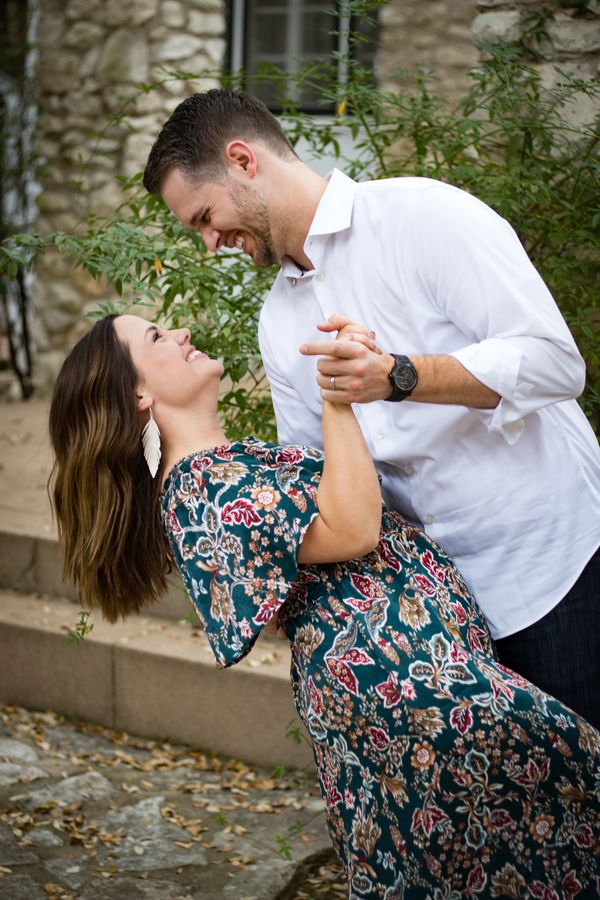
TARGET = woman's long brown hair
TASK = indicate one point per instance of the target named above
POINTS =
(106, 504)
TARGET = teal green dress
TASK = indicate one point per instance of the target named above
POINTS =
(444, 774)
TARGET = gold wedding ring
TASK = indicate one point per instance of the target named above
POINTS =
(332, 383)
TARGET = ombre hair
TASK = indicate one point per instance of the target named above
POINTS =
(106, 504)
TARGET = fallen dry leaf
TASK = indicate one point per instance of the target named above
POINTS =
(240, 862)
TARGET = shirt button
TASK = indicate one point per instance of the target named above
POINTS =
(380, 435)
(320, 276)
(516, 426)
(293, 281)
(428, 520)
(408, 470)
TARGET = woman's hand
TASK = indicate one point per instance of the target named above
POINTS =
(347, 330)
(353, 369)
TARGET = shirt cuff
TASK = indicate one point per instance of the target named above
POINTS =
(496, 363)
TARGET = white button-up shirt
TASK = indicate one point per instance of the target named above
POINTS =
(513, 493)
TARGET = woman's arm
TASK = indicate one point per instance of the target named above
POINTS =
(348, 497)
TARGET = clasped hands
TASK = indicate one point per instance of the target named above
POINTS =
(352, 369)
(360, 370)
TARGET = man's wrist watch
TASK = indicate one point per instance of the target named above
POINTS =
(403, 378)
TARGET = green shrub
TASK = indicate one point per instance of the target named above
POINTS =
(510, 142)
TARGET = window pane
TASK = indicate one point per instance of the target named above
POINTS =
(317, 28)
(279, 5)
(290, 34)
(267, 34)
(309, 97)
(364, 50)
(265, 91)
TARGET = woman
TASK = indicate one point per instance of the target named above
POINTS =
(444, 774)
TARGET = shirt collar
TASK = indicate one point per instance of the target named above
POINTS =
(334, 213)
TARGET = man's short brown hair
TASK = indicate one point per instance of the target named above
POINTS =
(194, 137)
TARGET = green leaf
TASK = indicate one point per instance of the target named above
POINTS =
(293, 731)
(285, 851)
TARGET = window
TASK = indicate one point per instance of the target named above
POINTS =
(289, 34)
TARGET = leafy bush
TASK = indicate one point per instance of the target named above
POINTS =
(511, 142)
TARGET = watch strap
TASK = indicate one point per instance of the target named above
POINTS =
(398, 393)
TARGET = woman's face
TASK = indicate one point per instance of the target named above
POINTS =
(172, 372)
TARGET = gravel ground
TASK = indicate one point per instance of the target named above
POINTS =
(323, 882)
(87, 813)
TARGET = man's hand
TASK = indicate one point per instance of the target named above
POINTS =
(354, 360)
(354, 370)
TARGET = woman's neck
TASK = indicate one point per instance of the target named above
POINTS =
(185, 435)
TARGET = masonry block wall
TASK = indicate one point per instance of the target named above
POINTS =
(558, 37)
(92, 55)
(433, 35)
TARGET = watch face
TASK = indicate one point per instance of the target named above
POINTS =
(405, 377)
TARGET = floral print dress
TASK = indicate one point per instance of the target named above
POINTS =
(445, 775)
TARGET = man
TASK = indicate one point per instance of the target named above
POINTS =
(470, 411)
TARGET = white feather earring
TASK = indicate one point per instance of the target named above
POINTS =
(151, 444)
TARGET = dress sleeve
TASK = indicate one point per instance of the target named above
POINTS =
(235, 524)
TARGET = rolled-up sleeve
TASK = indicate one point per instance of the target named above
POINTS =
(480, 278)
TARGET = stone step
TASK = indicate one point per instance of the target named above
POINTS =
(149, 675)
(33, 563)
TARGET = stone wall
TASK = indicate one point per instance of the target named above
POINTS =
(568, 32)
(434, 35)
(556, 36)
(93, 53)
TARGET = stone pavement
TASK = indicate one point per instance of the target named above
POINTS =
(94, 814)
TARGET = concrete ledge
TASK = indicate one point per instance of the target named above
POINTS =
(42, 670)
(17, 561)
(33, 563)
(149, 676)
(48, 569)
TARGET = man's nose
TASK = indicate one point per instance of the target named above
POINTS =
(212, 238)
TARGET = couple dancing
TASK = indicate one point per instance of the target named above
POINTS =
(444, 772)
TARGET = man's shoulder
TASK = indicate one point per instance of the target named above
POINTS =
(400, 183)
(417, 201)
(407, 187)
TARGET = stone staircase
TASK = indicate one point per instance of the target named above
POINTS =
(152, 675)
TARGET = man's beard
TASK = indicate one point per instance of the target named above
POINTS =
(254, 217)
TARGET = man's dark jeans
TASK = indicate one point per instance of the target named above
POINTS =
(561, 652)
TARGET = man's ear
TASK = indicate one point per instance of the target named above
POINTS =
(240, 155)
